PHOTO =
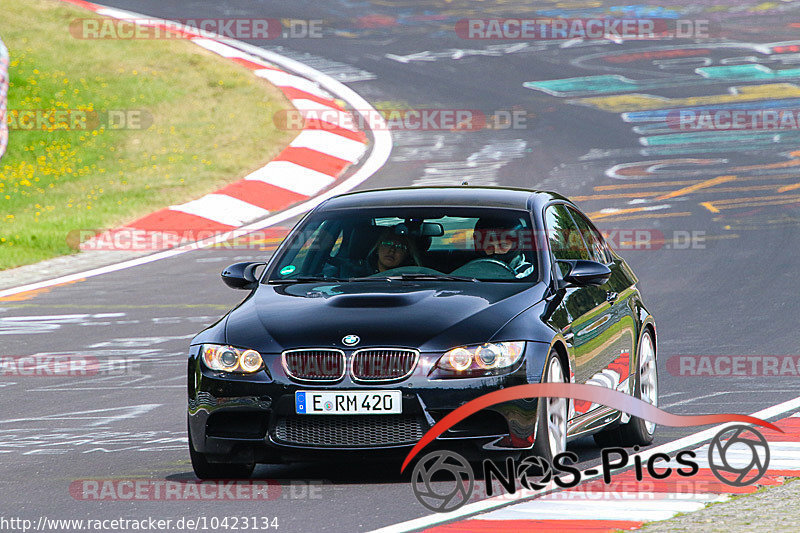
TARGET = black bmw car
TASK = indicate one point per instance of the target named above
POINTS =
(383, 311)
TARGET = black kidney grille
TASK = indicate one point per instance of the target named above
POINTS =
(358, 431)
(316, 365)
(383, 364)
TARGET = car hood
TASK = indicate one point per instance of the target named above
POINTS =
(397, 313)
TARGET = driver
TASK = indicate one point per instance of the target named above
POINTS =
(392, 250)
(499, 239)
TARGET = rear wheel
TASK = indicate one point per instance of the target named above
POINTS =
(637, 431)
(551, 428)
(205, 470)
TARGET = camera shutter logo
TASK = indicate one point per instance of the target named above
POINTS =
(534, 472)
(738, 455)
(453, 487)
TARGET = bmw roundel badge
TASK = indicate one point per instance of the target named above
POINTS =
(351, 340)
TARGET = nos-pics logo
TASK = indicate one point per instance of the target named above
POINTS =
(443, 480)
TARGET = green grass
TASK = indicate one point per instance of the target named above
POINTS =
(211, 125)
(743, 497)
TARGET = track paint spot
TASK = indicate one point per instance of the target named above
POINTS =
(661, 115)
(653, 215)
(716, 205)
(615, 83)
(613, 211)
(718, 137)
(27, 295)
(635, 102)
(696, 187)
(660, 167)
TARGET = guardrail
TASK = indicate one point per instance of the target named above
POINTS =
(3, 97)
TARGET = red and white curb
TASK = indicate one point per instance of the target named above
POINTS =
(378, 153)
(595, 506)
(311, 163)
(625, 504)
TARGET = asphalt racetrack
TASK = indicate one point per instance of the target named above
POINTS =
(719, 209)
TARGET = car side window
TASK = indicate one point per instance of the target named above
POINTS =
(302, 253)
(563, 236)
(317, 247)
(592, 238)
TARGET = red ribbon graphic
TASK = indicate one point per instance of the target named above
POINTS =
(592, 393)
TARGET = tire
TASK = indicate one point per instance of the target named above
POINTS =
(551, 424)
(205, 470)
(637, 432)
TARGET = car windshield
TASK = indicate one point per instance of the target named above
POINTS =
(434, 243)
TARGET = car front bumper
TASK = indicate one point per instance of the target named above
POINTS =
(243, 418)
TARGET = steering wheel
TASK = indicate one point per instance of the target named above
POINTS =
(488, 262)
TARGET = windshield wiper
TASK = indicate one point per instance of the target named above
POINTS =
(304, 279)
(433, 277)
(415, 277)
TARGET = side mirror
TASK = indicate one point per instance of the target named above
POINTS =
(241, 275)
(584, 273)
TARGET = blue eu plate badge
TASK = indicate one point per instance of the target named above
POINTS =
(300, 402)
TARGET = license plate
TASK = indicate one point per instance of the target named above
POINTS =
(348, 402)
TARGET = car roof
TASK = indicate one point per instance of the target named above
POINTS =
(458, 196)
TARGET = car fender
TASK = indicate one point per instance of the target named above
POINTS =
(213, 334)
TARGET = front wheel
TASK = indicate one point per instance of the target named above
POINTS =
(637, 431)
(551, 426)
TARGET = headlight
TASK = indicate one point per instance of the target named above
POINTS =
(230, 359)
(482, 358)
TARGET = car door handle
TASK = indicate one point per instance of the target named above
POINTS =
(612, 297)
